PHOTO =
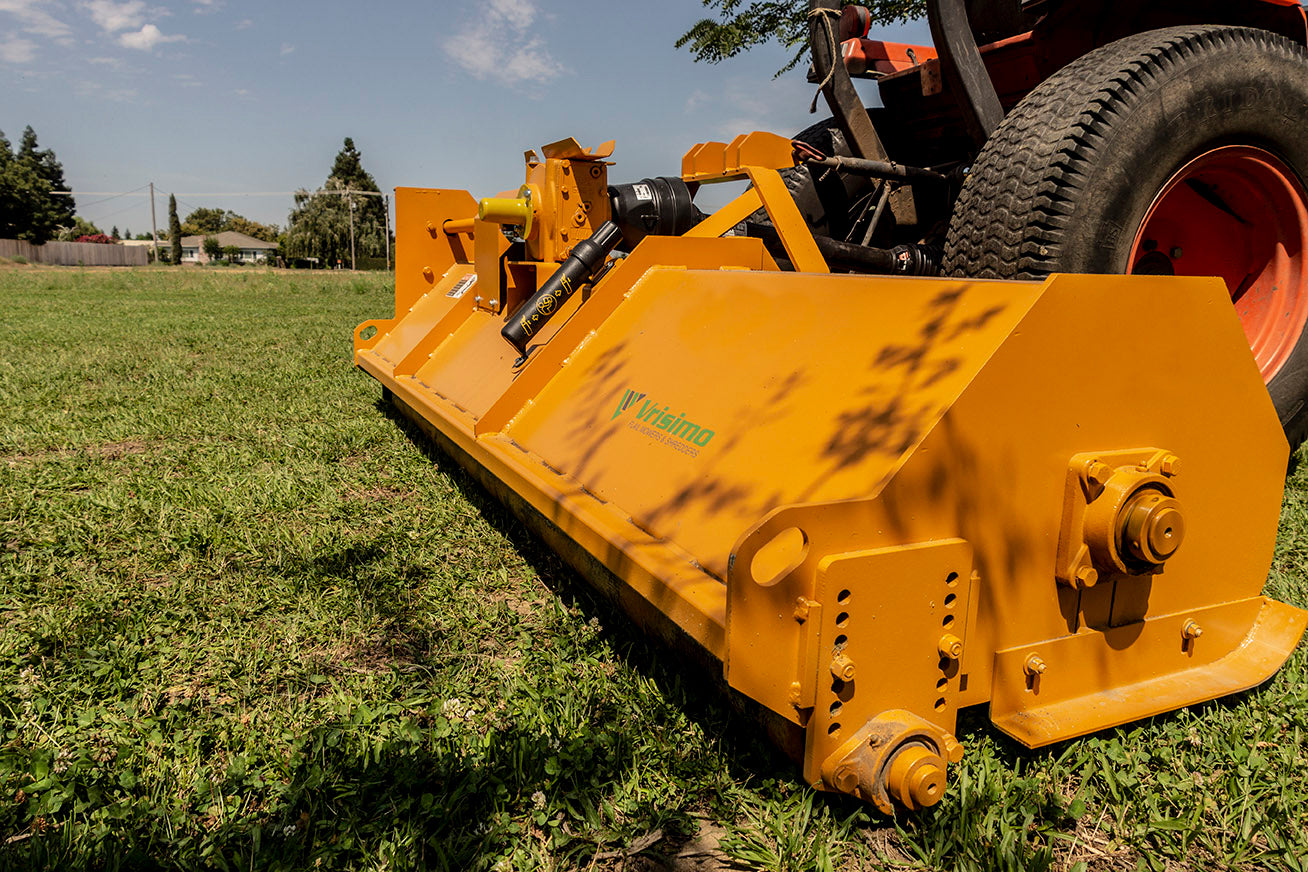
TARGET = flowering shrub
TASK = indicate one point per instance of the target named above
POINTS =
(99, 238)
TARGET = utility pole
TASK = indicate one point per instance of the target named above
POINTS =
(351, 198)
(154, 227)
(386, 210)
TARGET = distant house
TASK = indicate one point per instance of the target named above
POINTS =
(252, 250)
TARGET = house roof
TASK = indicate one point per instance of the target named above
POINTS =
(226, 238)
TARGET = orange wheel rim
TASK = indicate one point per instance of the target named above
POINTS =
(1240, 213)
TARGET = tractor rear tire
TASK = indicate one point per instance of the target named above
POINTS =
(1193, 135)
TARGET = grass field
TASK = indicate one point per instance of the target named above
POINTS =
(249, 621)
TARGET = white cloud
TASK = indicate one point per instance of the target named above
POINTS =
(697, 99)
(498, 44)
(742, 105)
(204, 7)
(287, 48)
(16, 50)
(114, 17)
(147, 38)
(244, 24)
(101, 92)
(33, 18)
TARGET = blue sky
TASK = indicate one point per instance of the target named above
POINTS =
(208, 96)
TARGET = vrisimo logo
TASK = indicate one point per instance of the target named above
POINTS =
(662, 418)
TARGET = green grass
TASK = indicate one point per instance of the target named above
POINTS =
(248, 621)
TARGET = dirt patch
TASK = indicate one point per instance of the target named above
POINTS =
(378, 494)
(651, 853)
(519, 605)
(104, 450)
(114, 450)
(397, 650)
(702, 853)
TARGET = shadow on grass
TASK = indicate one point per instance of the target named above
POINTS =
(686, 675)
(415, 803)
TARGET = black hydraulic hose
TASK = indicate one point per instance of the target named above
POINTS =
(580, 266)
(878, 169)
(912, 260)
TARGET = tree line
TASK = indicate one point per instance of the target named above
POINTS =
(28, 209)
(318, 227)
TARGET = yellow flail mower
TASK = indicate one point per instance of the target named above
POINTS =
(950, 407)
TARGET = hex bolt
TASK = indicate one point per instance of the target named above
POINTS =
(950, 647)
(1097, 472)
(427, 273)
(1087, 576)
(1170, 466)
(1034, 665)
(846, 779)
(579, 218)
(803, 607)
(842, 667)
(1191, 630)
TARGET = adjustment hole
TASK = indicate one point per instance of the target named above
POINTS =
(781, 556)
(368, 332)
(842, 597)
(842, 619)
(940, 704)
(841, 641)
(948, 621)
(942, 684)
(950, 599)
(836, 707)
(951, 580)
(833, 729)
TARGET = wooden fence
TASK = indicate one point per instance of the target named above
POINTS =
(76, 253)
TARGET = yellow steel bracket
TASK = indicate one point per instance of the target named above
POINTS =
(853, 613)
(755, 156)
(905, 605)
(720, 161)
(1122, 521)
